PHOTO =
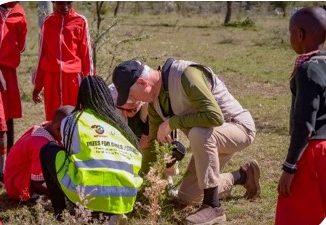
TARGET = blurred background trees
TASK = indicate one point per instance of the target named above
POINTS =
(104, 18)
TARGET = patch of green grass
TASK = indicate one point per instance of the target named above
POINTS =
(255, 64)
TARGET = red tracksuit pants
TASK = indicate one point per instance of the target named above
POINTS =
(11, 97)
(307, 203)
(59, 90)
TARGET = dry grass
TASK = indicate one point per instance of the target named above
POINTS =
(255, 64)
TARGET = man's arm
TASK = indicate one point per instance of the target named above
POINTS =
(208, 112)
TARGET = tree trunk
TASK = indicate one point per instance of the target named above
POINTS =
(116, 10)
(44, 9)
(248, 6)
(228, 12)
(99, 19)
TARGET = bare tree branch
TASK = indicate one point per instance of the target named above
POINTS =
(100, 36)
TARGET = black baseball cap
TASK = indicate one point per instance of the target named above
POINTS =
(124, 76)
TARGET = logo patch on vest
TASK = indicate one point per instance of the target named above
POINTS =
(98, 129)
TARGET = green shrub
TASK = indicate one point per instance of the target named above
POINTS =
(246, 23)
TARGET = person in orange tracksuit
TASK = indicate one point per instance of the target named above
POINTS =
(65, 57)
(13, 30)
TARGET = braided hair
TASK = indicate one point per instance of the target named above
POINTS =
(94, 94)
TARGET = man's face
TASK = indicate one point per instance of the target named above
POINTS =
(130, 109)
(140, 91)
(62, 7)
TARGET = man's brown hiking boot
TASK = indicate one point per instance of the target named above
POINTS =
(207, 215)
(252, 184)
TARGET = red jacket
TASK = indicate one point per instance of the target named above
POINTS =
(23, 162)
(64, 46)
(13, 29)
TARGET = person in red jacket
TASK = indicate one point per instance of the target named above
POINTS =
(13, 30)
(302, 185)
(23, 172)
(65, 57)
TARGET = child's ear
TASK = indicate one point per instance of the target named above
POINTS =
(302, 34)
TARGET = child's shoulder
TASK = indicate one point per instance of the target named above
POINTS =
(76, 15)
(49, 19)
(315, 69)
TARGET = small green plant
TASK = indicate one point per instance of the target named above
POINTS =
(154, 189)
(246, 23)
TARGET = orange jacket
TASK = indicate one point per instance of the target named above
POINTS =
(13, 30)
(64, 47)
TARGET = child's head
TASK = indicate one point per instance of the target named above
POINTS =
(59, 115)
(94, 94)
(62, 7)
(307, 29)
(9, 5)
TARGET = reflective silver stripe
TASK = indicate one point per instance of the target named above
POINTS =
(3, 17)
(90, 51)
(105, 191)
(40, 48)
(105, 163)
(60, 48)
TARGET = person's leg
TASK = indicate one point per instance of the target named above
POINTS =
(52, 94)
(11, 96)
(226, 140)
(48, 156)
(10, 133)
(3, 153)
(320, 159)
(304, 205)
(3, 130)
(39, 187)
(12, 102)
(189, 191)
(70, 88)
(207, 167)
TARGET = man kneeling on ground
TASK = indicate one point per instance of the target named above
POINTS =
(189, 96)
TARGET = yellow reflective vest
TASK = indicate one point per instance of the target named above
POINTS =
(100, 166)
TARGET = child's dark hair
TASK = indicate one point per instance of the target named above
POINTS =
(94, 94)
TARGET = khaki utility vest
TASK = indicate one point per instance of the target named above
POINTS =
(230, 107)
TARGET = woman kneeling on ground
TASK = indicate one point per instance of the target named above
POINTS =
(99, 166)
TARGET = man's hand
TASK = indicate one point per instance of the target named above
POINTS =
(163, 133)
(3, 84)
(143, 142)
(284, 184)
(36, 96)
